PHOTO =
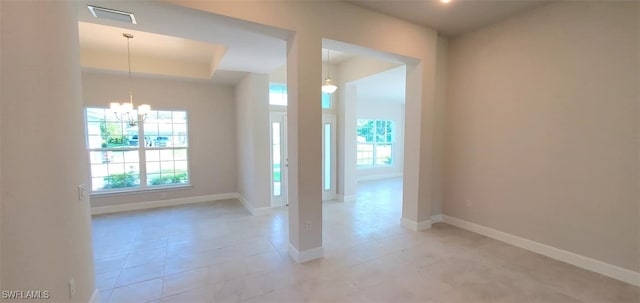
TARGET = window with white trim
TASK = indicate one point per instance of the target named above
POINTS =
(147, 155)
(278, 96)
(375, 143)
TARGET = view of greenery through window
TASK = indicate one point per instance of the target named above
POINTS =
(117, 150)
(374, 144)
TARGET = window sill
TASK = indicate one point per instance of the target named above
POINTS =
(139, 191)
(374, 167)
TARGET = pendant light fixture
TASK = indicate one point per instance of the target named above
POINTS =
(124, 111)
(328, 86)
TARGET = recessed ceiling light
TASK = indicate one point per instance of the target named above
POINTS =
(445, 1)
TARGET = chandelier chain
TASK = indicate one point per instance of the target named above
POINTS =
(123, 111)
(328, 63)
(129, 64)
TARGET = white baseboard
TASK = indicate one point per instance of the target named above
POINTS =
(305, 255)
(95, 297)
(436, 218)
(329, 197)
(378, 177)
(347, 198)
(587, 263)
(253, 210)
(98, 210)
(415, 226)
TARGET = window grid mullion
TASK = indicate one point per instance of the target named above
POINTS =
(380, 143)
(142, 155)
(173, 151)
(141, 149)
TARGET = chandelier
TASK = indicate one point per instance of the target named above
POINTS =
(125, 111)
(328, 86)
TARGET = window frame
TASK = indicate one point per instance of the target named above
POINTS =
(330, 99)
(373, 162)
(284, 89)
(278, 88)
(141, 149)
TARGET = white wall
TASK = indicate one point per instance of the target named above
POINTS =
(252, 122)
(346, 172)
(279, 75)
(1, 160)
(439, 117)
(542, 129)
(211, 129)
(46, 229)
(361, 67)
(384, 110)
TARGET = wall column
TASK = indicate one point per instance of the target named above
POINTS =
(304, 118)
(46, 226)
(252, 124)
(347, 133)
(418, 152)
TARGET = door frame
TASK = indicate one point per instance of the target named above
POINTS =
(282, 199)
(329, 194)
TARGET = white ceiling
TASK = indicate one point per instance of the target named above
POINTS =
(453, 18)
(104, 47)
(249, 47)
(334, 56)
(110, 39)
(233, 47)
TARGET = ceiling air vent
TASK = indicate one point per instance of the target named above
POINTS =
(111, 14)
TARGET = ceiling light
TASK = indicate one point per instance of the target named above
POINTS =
(124, 111)
(328, 86)
(445, 1)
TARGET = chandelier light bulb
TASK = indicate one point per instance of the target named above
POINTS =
(328, 86)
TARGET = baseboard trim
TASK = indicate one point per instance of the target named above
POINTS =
(587, 263)
(95, 297)
(415, 226)
(347, 198)
(259, 211)
(108, 209)
(436, 218)
(305, 255)
(378, 177)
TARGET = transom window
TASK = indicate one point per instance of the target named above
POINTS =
(374, 146)
(278, 96)
(144, 156)
(326, 101)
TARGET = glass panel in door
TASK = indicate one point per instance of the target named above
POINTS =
(278, 158)
(328, 157)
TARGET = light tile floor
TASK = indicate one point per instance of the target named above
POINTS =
(218, 252)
